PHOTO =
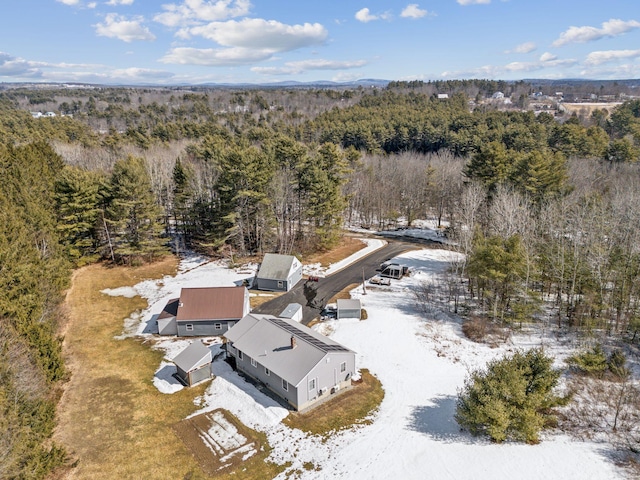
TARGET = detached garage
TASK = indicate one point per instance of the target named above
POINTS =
(278, 273)
(193, 364)
(349, 308)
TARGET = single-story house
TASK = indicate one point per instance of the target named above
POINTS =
(349, 308)
(204, 311)
(292, 312)
(278, 273)
(193, 364)
(298, 364)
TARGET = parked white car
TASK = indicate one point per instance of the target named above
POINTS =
(378, 280)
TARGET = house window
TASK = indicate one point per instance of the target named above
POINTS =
(218, 326)
(343, 367)
(240, 356)
(280, 284)
(312, 384)
(254, 363)
(285, 385)
(189, 327)
(267, 372)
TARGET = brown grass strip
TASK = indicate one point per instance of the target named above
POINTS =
(352, 407)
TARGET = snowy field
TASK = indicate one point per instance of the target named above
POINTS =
(421, 362)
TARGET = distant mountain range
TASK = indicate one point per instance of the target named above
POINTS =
(364, 82)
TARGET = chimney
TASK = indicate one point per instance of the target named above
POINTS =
(293, 341)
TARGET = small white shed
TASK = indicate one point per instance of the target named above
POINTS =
(293, 312)
(349, 308)
(194, 364)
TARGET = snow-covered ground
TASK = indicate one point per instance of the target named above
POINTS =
(421, 361)
(422, 229)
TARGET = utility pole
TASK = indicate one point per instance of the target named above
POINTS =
(364, 288)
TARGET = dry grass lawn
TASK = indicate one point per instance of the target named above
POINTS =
(347, 246)
(349, 408)
(116, 424)
(112, 420)
(258, 297)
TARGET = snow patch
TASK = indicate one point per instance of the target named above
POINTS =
(164, 379)
(421, 359)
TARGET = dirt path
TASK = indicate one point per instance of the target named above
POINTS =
(112, 420)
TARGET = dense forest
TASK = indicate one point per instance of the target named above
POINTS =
(544, 206)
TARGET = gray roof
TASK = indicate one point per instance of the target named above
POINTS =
(276, 267)
(348, 304)
(291, 310)
(267, 339)
(192, 357)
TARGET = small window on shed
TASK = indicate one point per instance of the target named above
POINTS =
(312, 384)
(280, 284)
(285, 384)
(267, 372)
(240, 356)
(343, 367)
(254, 363)
(218, 326)
(189, 327)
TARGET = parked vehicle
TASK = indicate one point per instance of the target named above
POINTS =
(378, 280)
(393, 270)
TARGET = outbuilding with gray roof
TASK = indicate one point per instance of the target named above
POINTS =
(348, 308)
(193, 364)
(278, 273)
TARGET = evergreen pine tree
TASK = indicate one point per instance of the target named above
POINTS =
(133, 216)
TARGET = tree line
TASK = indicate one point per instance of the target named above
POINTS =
(544, 211)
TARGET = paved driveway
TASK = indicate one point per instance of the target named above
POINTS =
(314, 295)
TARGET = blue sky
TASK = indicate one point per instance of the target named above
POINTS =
(255, 41)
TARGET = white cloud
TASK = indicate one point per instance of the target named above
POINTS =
(69, 2)
(364, 16)
(19, 69)
(215, 57)
(522, 66)
(120, 2)
(413, 11)
(611, 28)
(139, 74)
(11, 66)
(193, 12)
(546, 61)
(117, 26)
(526, 47)
(474, 2)
(548, 57)
(92, 5)
(606, 56)
(262, 34)
(298, 67)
